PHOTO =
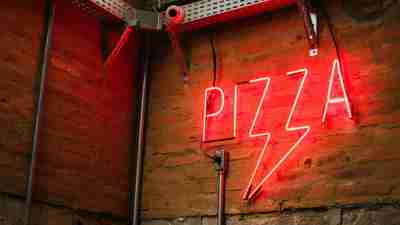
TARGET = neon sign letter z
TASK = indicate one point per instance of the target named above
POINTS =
(306, 129)
(251, 134)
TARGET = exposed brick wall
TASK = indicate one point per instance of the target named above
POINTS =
(86, 134)
(88, 117)
(344, 162)
(20, 40)
(388, 215)
(12, 209)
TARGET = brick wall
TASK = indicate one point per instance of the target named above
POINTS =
(12, 208)
(344, 173)
(86, 133)
(388, 215)
(340, 163)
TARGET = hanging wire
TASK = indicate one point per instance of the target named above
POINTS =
(331, 29)
(214, 81)
(214, 58)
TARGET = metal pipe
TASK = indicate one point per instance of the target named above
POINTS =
(141, 133)
(221, 197)
(50, 11)
(221, 167)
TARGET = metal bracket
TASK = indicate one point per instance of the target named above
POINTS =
(140, 19)
(221, 160)
(145, 19)
(310, 18)
(132, 16)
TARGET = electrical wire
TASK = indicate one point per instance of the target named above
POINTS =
(331, 29)
(214, 58)
(214, 82)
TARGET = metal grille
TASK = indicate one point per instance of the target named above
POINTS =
(120, 10)
(92, 9)
(206, 8)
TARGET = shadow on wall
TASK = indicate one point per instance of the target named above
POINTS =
(11, 212)
(367, 10)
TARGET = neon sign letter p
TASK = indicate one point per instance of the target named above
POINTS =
(207, 114)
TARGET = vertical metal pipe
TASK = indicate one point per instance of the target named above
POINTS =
(141, 132)
(221, 197)
(221, 166)
(44, 61)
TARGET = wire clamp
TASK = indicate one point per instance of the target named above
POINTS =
(310, 18)
(220, 160)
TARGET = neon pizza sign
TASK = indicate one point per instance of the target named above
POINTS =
(336, 76)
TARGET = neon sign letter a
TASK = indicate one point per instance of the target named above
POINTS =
(336, 100)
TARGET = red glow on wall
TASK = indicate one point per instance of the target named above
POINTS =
(235, 108)
(206, 114)
(330, 100)
(288, 127)
(269, 162)
(260, 104)
(267, 135)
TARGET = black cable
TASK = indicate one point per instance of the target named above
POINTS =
(214, 58)
(214, 81)
(331, 29)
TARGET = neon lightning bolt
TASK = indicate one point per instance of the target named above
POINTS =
(288, 128)
(251, 134)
